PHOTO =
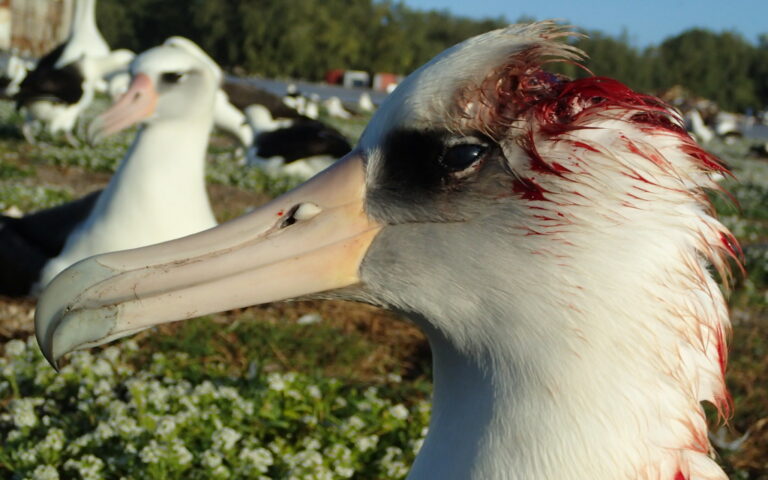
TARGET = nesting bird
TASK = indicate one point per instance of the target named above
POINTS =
(285, 141)
(551, 237)
(64, 81)
(158, 191)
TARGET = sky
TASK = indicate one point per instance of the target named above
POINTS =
(647, 22)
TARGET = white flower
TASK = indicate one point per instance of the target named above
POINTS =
(276, 382)
(53, 441)
(309, 419)
(364, 444)
(104, 431)
(111, 354)
(259, 459)
(394, 378)
(23, 411)
(220, 472)
(392, 464)
(225, 439)
(205, 388)
(102, 368)
(339, 453)
(79, 443)
(166, 426)
(229, 393)
(304, 460)
(314, 392)
(353, 423)
(294, 394)
(88, 466)
(211, 459)
(126, 426)
(152, 453)
(310, 443)
(15, 348)
(183, 455)
(45, 472)
(344, 472)
(102, 387)
(157, 396)
(399, 411)
(28, 456)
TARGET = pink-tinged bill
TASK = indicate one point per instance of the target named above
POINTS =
(137, 104)
(310, 240)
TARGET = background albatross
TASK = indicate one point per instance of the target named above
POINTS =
(551, 237)
(158, 191)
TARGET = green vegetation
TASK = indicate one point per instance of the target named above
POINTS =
(101, 418)
(306, 38)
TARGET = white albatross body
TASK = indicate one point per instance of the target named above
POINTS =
(550, 236)
(158, 191)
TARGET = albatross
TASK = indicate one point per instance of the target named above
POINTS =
(550, 236)
(63, 83)
(285, 141)
(158, 191)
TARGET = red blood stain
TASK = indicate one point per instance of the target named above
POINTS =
(706, 159)
(529, 189)
(638, 177)
(555, 105)
(731, 244)
(722, 351)
(586, 146)
(660, 120)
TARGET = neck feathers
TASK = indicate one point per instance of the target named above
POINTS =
(612, 189)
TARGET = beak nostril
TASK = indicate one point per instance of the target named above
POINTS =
(290, 217)
(299, 212)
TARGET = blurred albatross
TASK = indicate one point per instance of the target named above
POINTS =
(158, 191)
(551, 237)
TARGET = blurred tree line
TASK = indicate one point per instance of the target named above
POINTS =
(306, 38)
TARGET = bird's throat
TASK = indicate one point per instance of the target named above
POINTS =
(566, 408)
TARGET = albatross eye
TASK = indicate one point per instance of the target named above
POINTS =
(461, 157)
(171, 77)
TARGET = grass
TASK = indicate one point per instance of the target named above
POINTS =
(271, 395)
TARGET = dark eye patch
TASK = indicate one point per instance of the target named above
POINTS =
(426, 160)
(411, 160)
(171, 77)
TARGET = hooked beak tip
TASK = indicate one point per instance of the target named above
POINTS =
(45, 342)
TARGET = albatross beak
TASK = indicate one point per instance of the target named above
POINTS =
(136, 104)
(310, 240)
